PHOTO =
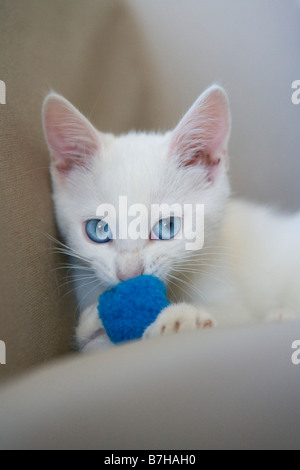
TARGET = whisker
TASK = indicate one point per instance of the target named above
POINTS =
(79, 280)
(191, 286)
(69, 292)
(89, 293)
(73, 279)
(62, 248)
(72, 266)
(170, 280)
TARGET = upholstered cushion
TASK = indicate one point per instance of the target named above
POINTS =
(219, 389)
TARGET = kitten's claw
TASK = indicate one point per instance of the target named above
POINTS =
(179, 317)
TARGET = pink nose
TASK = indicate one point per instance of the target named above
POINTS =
(130, 273)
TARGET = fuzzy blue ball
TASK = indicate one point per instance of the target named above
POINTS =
(130, 307)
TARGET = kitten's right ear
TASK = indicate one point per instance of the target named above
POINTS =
(71, 138)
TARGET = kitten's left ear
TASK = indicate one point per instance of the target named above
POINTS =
(71, 138)
(201, 137)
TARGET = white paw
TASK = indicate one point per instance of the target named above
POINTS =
(179, 317)
(90, 334)
(99, 342)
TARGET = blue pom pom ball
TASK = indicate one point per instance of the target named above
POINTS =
(130, 307)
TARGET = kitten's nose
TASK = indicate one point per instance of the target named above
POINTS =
(129, 264)
(129, 273)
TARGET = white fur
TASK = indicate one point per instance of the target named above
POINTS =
(249, 267)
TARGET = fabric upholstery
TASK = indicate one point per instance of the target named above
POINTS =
(219, 389)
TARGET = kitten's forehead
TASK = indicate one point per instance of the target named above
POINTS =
(134, 164)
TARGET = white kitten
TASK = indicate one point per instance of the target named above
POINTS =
(249, 267)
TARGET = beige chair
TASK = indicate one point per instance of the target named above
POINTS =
(222, 389)
(93, 53)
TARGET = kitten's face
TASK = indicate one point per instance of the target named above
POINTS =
(185, 166)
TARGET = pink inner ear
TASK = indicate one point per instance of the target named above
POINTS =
(201, 137)
(201, 158)
(68, 152)
(72, 140)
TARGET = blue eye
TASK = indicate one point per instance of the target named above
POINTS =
(166, 229)
(98, 231)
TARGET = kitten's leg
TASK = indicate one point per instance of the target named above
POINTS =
(179, 317)
(90, 333)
